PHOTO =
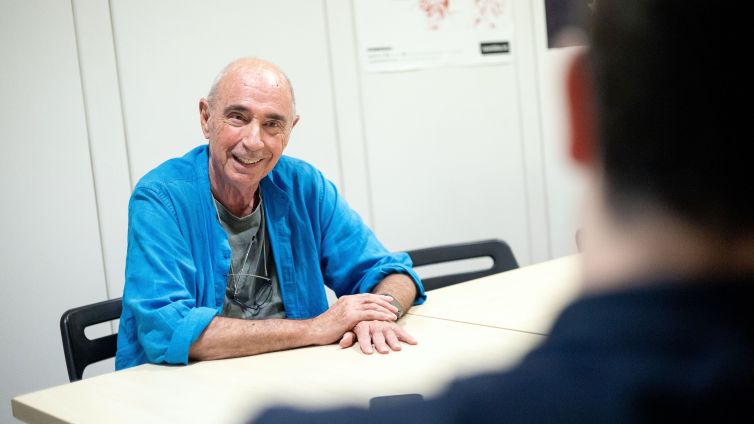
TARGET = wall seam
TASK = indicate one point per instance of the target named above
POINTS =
(363, 124)
(120, 95)
(341, 172)
(89, 146)
(523, 138)
(540, 125)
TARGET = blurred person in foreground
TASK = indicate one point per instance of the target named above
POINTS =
(665, 329)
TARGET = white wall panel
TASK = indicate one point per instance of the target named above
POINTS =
(348, 101)
(50, 251)
(531, 137)
(456, 154)
(169, 52)
(445, 157)
(564, 184)
(107, 142)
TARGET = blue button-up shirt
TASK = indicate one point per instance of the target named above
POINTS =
(179, 256)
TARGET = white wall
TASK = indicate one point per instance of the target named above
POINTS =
(96, 93)
(563, 183)
(50, 247)
(170, 50)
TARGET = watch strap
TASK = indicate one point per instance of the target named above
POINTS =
(395, 303)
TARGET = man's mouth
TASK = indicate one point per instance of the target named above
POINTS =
(245, 161)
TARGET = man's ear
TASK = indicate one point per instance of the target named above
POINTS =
(204, 116)
(295, 121)
(582, 109)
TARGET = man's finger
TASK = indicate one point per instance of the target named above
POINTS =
(377, 307)
(370, 315)
(378, 338)
(365, 339)
(392, 339)
(404, 336)
(347, 339)
(379, 299)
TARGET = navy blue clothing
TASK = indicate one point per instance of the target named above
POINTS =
(665, 352)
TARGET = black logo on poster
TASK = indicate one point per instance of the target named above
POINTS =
(497, 47)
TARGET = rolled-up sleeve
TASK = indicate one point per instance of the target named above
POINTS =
(352, 258)
(160, 291)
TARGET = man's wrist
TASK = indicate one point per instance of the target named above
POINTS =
(399, 313)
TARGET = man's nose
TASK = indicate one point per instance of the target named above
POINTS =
(253, 137)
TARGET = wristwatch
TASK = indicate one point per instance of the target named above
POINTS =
(394, 302)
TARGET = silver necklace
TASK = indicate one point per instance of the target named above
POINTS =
(256, 306)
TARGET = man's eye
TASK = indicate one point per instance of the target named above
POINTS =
(273, 124)
(236, 118)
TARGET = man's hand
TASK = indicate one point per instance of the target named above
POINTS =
(348, 311)
(380, 333)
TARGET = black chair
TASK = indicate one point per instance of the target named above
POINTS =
(501, 254)
(81, 351)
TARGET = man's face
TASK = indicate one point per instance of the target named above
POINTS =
(247, 125)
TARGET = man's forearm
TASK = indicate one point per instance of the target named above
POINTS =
(401, 287)
(230, 337)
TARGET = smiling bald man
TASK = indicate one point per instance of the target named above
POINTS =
(230, 247)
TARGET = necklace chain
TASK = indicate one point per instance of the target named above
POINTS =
(235, 275)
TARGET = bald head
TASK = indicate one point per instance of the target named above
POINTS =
(247, 118)
(264, 69)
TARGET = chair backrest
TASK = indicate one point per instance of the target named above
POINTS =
(498, 250)
(81, 351)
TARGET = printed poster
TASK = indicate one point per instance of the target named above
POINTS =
(400, 35)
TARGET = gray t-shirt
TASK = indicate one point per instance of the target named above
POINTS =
(253, 291)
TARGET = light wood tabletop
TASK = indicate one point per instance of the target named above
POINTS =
(525, 299)
(464, 329)
(233, 390)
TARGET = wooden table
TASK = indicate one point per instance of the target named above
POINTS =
(454, 341)
(526, 299)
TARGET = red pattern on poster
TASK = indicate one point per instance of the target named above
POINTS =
(436, 11)
(487, 12)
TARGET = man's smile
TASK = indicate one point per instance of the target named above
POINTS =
(246, 161)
